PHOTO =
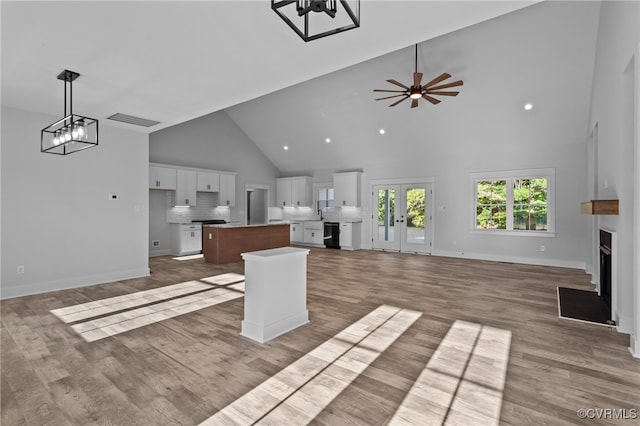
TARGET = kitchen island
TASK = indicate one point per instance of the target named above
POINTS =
(225, 243)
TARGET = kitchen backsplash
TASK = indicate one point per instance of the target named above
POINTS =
(307, 213)
(205, 208)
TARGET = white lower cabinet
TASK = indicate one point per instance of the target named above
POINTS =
(313, 231)
(297, 236)
(186, 239)
(350, 235)
(313, 236)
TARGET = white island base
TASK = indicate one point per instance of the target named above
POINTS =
(275, 295)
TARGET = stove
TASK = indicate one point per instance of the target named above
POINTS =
(210, 221)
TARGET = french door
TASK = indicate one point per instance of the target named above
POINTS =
(402, 217)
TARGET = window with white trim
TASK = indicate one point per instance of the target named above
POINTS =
(324, 199)
(519, 202)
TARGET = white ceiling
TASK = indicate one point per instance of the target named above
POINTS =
(175, 61)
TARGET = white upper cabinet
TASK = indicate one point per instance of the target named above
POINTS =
(227, 195)
(346, 187)
(186, 188)
(294, 192)
(208, 182)
(162, 178)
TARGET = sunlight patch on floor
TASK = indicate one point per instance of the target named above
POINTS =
(127, 301)
(463, 381)
(296, 394)
(135, 310)
(125, 321)
(224, 279)
(189, 257)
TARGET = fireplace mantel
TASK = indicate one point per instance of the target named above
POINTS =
(600, 207)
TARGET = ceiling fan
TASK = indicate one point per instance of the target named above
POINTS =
(417, 91)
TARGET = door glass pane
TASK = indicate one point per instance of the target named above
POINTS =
(386, 213)
(415, 215)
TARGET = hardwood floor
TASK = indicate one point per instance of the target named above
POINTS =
(186, 368)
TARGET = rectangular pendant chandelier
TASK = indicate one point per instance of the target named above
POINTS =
(73, 132)
(313, 19)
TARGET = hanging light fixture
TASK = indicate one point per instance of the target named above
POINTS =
(313, 19)
(72, 133)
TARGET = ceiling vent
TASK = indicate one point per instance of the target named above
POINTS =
(130, 119)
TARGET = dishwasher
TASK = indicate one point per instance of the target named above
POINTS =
(332, 235)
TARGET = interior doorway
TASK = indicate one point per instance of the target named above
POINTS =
(402, 217)
(257, 204)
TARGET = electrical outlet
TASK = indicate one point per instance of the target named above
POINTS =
(155, 243)
(542, 248)
(20, 270)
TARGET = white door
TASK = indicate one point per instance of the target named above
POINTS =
(402, 217)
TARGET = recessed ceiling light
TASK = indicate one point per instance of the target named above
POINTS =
(327, 140)
(528, 106)
(381, 131)
(285, 147)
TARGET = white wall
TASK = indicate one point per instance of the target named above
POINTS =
(618, 38)
(454, 208)
(57, 219)
(215, 142)
(159, 229)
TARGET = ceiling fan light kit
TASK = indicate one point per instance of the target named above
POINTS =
(73, 132)
(417, 90)
(313, 19)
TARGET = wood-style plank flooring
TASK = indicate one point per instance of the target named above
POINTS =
(184, 369)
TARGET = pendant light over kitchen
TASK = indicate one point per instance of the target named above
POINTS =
(313, 19)
(73, 132)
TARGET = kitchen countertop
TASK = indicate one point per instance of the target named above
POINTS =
(239, 225)
(354, 220)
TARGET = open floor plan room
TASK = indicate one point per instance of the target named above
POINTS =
(392, 339)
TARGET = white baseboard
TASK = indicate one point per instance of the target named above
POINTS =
(67, 283)
(513, 259)
(634, 346)
(623, 323)
(498, 258)
(160, 252)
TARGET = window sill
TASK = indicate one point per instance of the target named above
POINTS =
(505, 233)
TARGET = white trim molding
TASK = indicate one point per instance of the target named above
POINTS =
(68, 283)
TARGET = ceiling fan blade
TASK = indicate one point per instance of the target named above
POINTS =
(414, 103)
(444, 86)
(397, 83)
(437, 80)
(417, 78)
(430, 99)
(430, 92)
(390, 91)
(389, 97)
(397, 102)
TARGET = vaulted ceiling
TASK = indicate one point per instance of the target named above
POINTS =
(175, 61)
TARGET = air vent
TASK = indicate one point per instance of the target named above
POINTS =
(130, 119)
